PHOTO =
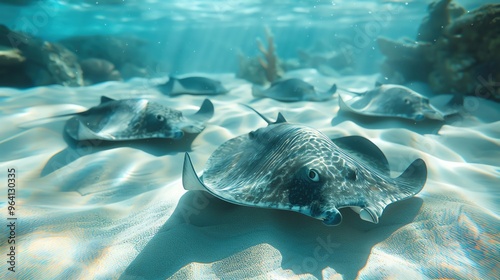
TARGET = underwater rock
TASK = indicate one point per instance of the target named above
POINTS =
(46, 62)
(97, 70)
(432, 25)
(467, 60)
(60, 63)
(115, 49)
(477, 32)
(404, 60)
(330, 63)
(128, 54)
(10, 56)
(12, 68)
(129, 70)
(455, 52)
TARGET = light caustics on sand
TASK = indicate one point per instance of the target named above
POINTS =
(122, 210)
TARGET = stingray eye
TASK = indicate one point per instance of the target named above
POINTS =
(313, 175)
(407, 101)
(351, 174)
(160, 118)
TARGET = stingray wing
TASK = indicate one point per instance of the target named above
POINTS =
(191, 181)
(407, 185)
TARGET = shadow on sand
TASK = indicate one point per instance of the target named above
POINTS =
(426, 126)
(77, 149)
(205, 229)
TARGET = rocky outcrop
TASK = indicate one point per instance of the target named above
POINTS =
(454, 51)
(27, 61)
(115, 49)
(44, 62)
(96, 70)
(10, 56)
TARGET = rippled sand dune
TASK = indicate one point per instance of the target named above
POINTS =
(97, 210)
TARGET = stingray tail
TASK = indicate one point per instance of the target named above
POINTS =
(279, 119)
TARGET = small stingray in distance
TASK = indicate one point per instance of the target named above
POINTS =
(291, 90)
(394, 101)
(294, 167)
(193, 86)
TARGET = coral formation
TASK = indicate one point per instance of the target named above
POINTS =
(454, 51)
(270, 61)
(329, 58)
(261, 70)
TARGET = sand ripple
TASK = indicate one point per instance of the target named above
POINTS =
(96, 210)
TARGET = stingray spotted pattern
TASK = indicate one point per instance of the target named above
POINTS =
(294, 167)
(132, 119)
(392, 101)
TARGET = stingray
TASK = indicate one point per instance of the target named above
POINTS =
(192, 85)
(294, 167)
(291, 90)
(393, 101)
(133, 119)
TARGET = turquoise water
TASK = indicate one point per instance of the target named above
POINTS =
(207, 35)
(117, 209)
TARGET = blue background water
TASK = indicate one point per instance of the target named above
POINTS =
(118, 210)
(206, 36)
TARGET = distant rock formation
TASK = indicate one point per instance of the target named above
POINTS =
(44, 62)
(28, 61)
(454, 51)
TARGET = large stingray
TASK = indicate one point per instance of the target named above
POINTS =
(391, 101)
(131, 119)
(294, 167)
(192, 85)
(291, 90)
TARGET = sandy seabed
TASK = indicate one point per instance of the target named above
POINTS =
(96, 210)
